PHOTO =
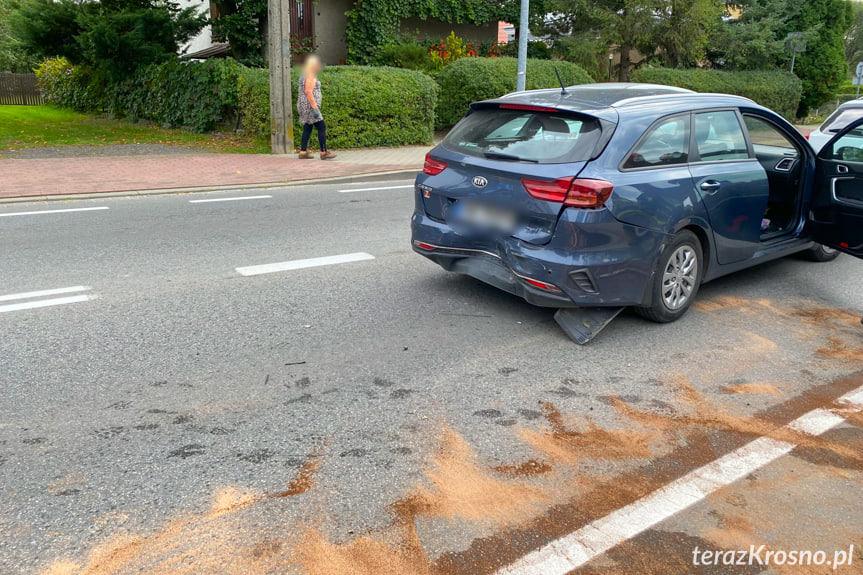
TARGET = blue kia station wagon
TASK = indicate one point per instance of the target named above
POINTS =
(599, 197)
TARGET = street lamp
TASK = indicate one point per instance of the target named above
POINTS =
(610, 65)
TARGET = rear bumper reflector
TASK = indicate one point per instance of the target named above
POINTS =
(540, 284)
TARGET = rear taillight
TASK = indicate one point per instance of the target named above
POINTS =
(586, 193)
(432, 166)
(806, 136)
(571, 192)
(550, 191)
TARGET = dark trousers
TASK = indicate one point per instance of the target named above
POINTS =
(307, 134)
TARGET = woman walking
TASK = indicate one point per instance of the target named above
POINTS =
(309, 109)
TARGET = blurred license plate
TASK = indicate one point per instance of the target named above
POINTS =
(485, 216)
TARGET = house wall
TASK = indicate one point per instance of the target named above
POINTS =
(205, 38)
(432, 29)
(330, 25)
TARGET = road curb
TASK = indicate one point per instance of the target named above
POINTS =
(355, 179)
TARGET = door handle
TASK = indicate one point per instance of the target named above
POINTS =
(710, 186)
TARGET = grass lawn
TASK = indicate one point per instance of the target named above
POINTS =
(39, 126)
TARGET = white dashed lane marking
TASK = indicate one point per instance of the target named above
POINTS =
(229, 199)
(405, 187)
(43, 293)
(576, 549)
(41, 212)
(301, 264)
(37, 303)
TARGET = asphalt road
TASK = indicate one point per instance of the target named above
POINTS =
(380, 415)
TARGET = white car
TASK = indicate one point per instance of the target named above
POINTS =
(844, 115)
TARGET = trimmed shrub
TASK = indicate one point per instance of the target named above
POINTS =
(775, 89)
(253, 87)
(363, 106)
(473, 79)
(67, 86)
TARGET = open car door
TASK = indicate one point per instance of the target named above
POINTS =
(836, 208)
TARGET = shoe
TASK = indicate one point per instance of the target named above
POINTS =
(327, 155)
(305, 156)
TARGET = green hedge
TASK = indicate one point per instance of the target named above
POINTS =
(473, 79)
(194, 95)
(774, 89)
(363, 106)
(67, 86)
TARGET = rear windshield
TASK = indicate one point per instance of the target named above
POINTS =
(525, 136)
(840, 119)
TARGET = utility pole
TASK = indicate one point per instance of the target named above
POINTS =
(523, 33)
(279, 55)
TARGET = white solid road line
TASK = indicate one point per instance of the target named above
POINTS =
(574, 550)
(45, 302)
(54, 211)
(405, 187)
(300, 264)
(229, 199)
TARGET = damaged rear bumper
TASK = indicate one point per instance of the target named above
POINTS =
(593, 260)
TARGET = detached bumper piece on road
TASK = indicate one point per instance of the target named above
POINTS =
(584, 324)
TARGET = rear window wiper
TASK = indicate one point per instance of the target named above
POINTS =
(497, 156)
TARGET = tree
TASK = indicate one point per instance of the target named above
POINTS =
(854, 38)
(754, 40)
(822, 67)
(115, 44)
(13, 57)
(623, 26)
(757, 40)
(683, 30)
(674, 31)
(114, 37)
(46, 28)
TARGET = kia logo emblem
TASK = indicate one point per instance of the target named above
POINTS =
(480, 182)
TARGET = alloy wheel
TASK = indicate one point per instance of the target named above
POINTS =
(679, 277)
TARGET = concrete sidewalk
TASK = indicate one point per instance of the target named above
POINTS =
(44, 177)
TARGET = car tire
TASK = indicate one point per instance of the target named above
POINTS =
(675, 283)
(819, 253)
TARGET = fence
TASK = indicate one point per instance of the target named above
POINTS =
(19, 90)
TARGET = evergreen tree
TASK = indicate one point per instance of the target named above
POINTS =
(112, 36)
(822, 67)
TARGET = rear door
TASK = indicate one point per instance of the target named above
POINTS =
(732, 184)
(494, 153)
(836, 206)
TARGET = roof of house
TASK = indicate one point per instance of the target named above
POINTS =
(214, 51)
